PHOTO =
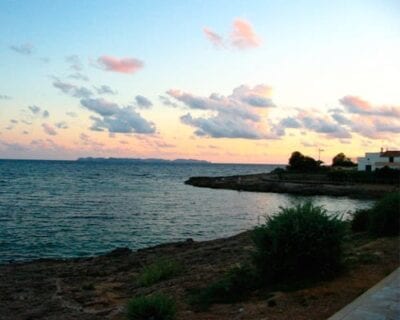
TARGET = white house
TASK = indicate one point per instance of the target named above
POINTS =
(378, 160)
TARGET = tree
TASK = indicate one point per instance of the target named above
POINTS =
(301, 163)
(340, 160)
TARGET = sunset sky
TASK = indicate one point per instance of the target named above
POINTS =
(225, 81)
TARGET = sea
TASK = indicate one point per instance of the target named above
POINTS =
(63, 209)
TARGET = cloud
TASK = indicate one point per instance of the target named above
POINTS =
(359, 106)
(13, 146)
(74, 62)
(374, 122)
(34, 109)
(61, 125)
(312, 121)
(143, 102)
(105, 90)
(24, 49)
(214, 37)
(4, 97)
(155, 142)
(241, 102)
(356, 116)
(78, 76)
(167, 101)
(48, 129)
(290, 123)
(222, 127)
(341, 119)
(121, 65)
(243, 35)
(100, 106)
(72, 90)
(87, 141)
(259, 96)
(116, 119)
(14, 121)
(37, 111)
(234, 116)
(71, 114)
(322, 124)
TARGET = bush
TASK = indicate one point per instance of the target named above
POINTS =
(162, 269)
(385, 216)
(155, 307)
(360, 220)
(340, 160)
(300, 163)
(234, 286)
(299, 244)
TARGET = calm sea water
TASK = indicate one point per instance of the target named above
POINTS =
(57, 209)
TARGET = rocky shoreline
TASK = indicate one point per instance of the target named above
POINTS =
(306, 186)
(98, 287)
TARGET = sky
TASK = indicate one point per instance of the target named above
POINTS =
(225, 81)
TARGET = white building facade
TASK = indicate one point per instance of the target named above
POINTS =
(377, 160)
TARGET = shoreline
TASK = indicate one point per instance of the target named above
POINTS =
(267, 182)
(98, 287)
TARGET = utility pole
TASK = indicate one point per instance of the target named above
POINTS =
(319, 154)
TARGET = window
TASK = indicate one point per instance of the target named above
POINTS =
(391, 159)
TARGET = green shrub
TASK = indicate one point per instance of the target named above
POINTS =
(299, 244)
(160, 270)
(360, 220)
(154, 307)
(385, 216)
(234, 286)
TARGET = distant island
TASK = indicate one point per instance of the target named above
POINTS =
(139, 160)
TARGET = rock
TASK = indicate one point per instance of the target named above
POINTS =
(119, 252)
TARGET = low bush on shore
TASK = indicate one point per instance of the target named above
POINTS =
(160, 270)
(383, 219)
(299, 244)
(385, 216)
(234, 286)
(385, 175)
(360, 220)
(296, 246)
(155, 307)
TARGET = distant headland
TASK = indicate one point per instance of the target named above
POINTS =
(140, 160)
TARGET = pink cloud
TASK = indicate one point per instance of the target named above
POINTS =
(49, 129)
(243, 35)
(215, 38)
(357, 105)
(123, 65)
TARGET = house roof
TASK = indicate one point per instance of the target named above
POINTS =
(393, 153)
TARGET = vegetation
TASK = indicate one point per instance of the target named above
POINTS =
(385, 175)
(340, 160)
(385, 216)
(299, 244)
(154, 307)
(160, 270)
(234, 286)
(360, 220)
(300, 163)
(383, 219)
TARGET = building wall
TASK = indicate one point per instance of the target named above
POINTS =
(375, 160)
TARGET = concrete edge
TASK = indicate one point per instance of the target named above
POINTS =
(341, 314)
